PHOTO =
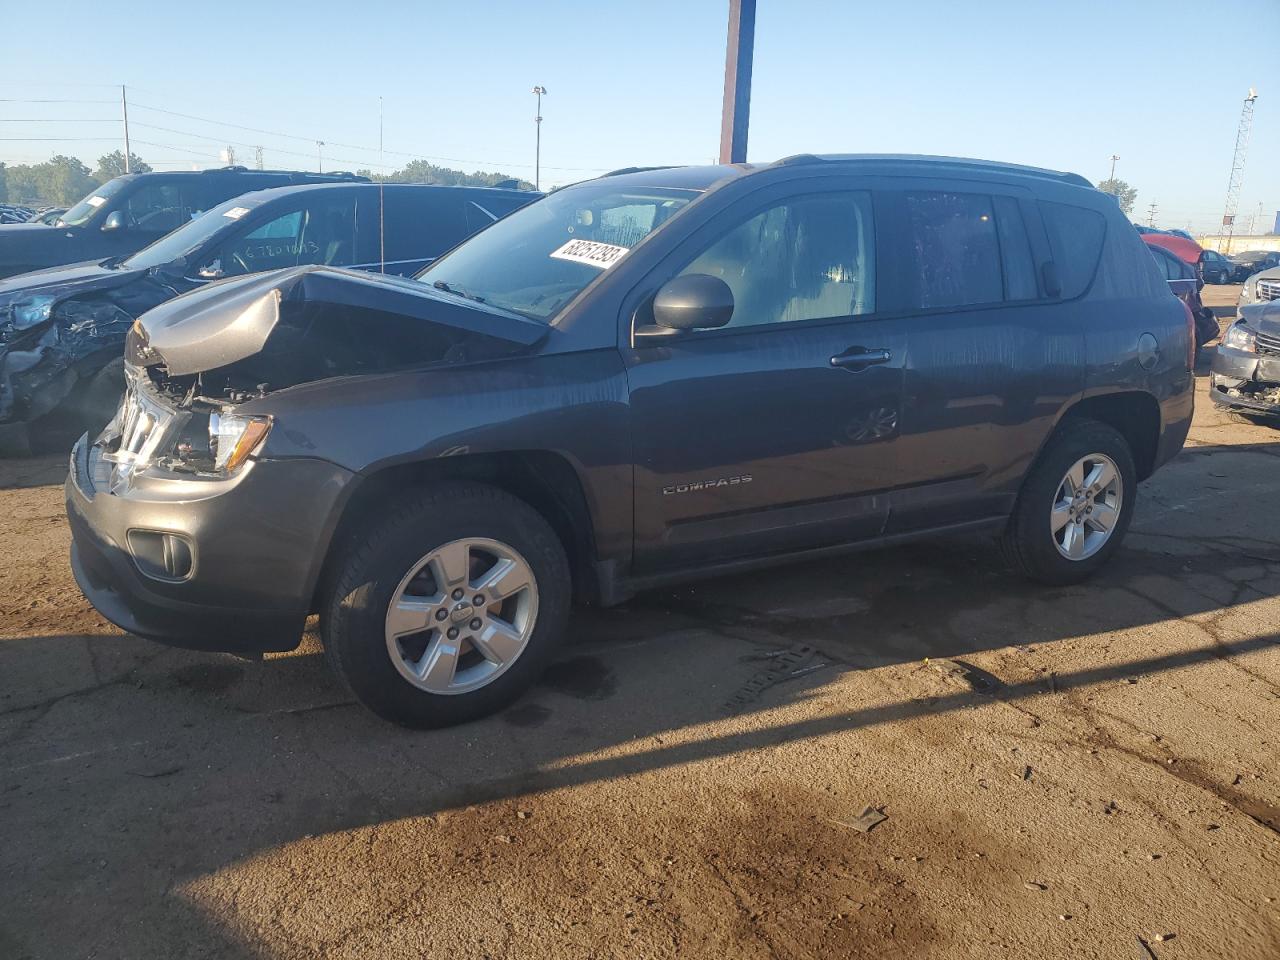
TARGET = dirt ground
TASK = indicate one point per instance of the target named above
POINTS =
(685, 782)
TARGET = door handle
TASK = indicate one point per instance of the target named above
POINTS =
(859, 358)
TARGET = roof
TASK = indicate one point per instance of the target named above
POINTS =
(256, 198)
(1185, 250)
(703, 178)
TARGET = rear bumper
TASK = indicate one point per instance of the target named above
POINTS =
(256, 543)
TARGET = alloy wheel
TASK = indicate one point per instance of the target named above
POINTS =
(461, 616)
(1086, 507)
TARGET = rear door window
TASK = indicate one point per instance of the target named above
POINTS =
(422, 224)
(1075, 236)
(956, 247)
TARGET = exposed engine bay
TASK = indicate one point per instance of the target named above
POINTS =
(191, 361)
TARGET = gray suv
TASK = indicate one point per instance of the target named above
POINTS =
(638, 380)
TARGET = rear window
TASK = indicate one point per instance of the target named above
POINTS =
(1075, 236)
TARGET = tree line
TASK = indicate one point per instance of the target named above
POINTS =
(62, 180)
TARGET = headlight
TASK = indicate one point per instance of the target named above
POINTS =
(1240, 337)
(233, 439)
(27, 313)
(1246, 292)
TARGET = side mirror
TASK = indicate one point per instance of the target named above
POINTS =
(696, 301)
(114, 221)
(211, 270)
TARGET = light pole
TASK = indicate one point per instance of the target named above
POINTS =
(539, 91)
(1114, 158)
(319, 157)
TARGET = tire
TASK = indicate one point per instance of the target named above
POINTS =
(378, 567)
(1030, 543)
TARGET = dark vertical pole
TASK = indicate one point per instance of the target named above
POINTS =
(736, 111)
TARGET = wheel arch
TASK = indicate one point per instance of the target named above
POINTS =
(1134, 414)
(547, 481)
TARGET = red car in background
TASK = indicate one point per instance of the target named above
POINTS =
(1184, 281)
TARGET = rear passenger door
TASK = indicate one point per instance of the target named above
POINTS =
(991, 357)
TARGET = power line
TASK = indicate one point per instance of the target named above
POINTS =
(20, 100)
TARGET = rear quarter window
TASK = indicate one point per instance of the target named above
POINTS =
(1075, 235)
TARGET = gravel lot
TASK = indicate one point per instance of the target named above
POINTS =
(684, 783)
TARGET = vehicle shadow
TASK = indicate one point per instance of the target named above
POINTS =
(178, 765)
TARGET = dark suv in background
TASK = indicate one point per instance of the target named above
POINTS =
(638, 380)
(62, 330)
(127, 213)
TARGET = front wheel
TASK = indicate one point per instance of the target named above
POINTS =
(1075, 505)
(449, 608)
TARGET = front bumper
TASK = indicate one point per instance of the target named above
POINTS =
(257, 543)
(1245, 381)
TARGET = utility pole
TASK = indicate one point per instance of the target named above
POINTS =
(1151, 215)
(257, 158)
(124, 113)
(319, 157)
(540, 92)
(1243, 131)
(1114, 158)
(735, 112)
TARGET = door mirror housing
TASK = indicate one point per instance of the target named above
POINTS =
(114, 221)
(695, 301)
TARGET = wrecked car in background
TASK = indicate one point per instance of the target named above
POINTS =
(126, 213)
(62, 330)
(1246, 369)
(1186, 284)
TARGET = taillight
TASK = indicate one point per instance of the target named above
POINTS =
(1191, 336)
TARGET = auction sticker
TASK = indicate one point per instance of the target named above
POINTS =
(96, 201)
(591, 252)
(235, 213)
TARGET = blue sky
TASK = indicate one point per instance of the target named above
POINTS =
(1059, 84)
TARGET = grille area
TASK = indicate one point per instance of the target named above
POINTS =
(1269, 345)
(1269, 289)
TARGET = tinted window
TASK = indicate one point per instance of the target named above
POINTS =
(422, 224)
(1015, 251)
(956, 247)
(158, 208)
(804, 259)
(1075, 236)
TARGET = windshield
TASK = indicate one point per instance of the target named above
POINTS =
(83, 211)
(190, 236)
(538, 259)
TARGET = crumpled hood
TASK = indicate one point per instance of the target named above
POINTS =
(231, 320)
(1263, 317)
(64, 281)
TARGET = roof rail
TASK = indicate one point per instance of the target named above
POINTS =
(925, 160)
(621, 170)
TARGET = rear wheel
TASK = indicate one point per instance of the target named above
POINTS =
(449, 608)
(1075, 505)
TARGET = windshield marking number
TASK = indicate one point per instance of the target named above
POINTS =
(591, 252)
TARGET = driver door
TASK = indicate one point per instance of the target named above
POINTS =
(776, 432)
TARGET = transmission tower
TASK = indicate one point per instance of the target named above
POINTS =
(1237, 167)
(257, 157)
(1151, 214)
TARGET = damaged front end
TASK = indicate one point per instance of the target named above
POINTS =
(193, 362)
(1246, 369)
(43, 357)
